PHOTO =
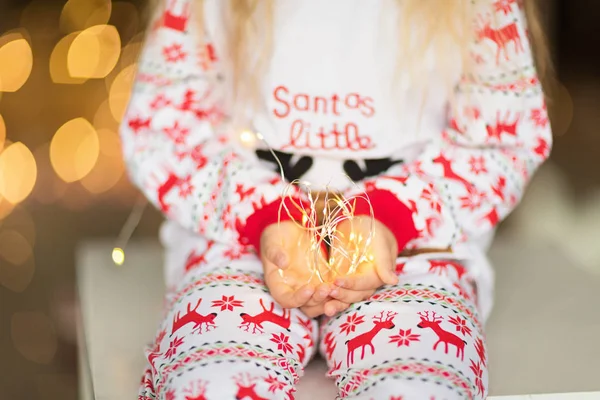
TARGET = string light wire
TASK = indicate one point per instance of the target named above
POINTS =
(346, 252)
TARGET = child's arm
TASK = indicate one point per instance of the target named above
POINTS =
(463, 184)
(174, 154)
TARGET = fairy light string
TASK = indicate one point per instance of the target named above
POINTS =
(346, 251)
(346, 254)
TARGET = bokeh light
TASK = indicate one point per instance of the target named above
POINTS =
(103, 118)
(94, 52)
(74, 150)
(6, 207)
(14, 248)
(59, 71)
(129, 55)
(109, 168)
(34, 336)
(16, 62)
(20, 220)
(18, 172)
(78, 15)
(2, 132)
(120, 92)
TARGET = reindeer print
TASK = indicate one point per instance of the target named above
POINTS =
(255, 322)
(366, 339)
(447, 338)
(193, 317)
(246, 387)
(509, 33)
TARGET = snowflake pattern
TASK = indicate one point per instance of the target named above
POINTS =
(351, 322)
(477, 165)
(227, 303)
(176, 342)
(461, 325)
(274, 384)
(404, 337)
(472, 200)
(177, 133)
(282, 342)
(174, 53)
(185, 187)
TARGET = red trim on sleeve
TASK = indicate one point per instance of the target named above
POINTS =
(267, 215)
(391, 212)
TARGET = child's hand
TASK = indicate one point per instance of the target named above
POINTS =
(370, 275)
(285, 248)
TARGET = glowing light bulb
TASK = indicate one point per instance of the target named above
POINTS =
(248, 138)
(304, 219)
(118, 256)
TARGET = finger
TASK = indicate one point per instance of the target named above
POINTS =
(277, 256)
(333, 307)
(351, 296)
(291, 298)
(321, 293)
(313, 311)
(386, 270)
(360, 281)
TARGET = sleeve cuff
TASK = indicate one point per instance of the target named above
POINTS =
(269, 214)
(391, 212)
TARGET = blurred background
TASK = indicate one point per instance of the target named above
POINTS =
(66, 69)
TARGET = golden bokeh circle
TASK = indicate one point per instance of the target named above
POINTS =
(74, 150)
(59, 72)
(14, 247)
(78, 15)
(18, 172)
(16, 63)
(94, 52)
(120, 92)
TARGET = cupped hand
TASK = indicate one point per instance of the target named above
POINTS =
(286, 256)
(378, 268)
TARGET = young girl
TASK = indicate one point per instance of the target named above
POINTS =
(435, 111)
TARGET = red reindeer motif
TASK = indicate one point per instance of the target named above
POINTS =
(501, 37)
(255, 321)
(195, 259)
(192, 316)
(196, 390)
(503, 125)
(167, 186)
(443, 265)
(246, 387)
(449, 171)
(445, 337)
(366, 339)
(177, 22)
(137, 124)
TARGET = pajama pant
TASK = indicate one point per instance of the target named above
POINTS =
(223, 336)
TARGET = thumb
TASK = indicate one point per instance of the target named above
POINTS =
(277, 256)
(386, 270)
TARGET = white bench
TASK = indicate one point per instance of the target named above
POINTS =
(543, 335)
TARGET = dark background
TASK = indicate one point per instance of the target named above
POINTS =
(38, 354)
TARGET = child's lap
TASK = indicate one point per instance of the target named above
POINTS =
(398, 327)
(234, 292)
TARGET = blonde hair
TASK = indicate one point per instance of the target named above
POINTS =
(249, 41)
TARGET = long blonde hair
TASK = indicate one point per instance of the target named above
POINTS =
(249, 43)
